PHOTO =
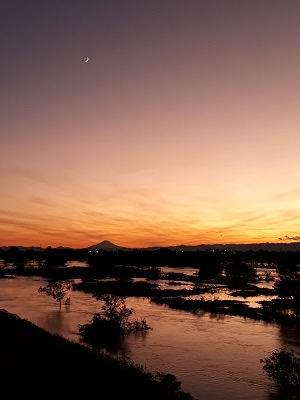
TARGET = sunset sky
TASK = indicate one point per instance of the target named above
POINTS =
(183, 127)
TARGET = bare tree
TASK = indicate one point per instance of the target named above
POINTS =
(56, 289)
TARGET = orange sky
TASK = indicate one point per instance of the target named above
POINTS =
(182, 128)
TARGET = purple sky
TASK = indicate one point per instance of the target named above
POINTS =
(182, 127)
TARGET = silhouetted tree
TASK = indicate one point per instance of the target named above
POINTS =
(283, 367)
(115, 309)
(112, 323)
(288, 287)
(268, 276)
(239, 273)
(56, 289)
(153, 273)
(287, 268)
(211, 267)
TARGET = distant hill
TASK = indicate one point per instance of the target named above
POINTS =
(34, 248)
(109, 246)
(106, 245)
(22, 248)
(240, 247)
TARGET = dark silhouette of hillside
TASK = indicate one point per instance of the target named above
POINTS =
(243, 247)
(106, 245)
(142, 258)
(38, 365)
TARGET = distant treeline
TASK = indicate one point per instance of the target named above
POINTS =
(161, 257)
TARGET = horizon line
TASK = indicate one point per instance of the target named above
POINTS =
(158, 246)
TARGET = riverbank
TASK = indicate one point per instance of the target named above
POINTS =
(233, 308)
(37, 364)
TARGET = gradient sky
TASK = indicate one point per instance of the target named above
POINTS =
(184, 126)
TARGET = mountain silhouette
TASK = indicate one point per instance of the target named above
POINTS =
(109, 246)
(106, 245)
(295, 246)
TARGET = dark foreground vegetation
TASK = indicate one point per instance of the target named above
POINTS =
(103, 259)
(284, 309)
(46, 366)
(230, 307)
(114, 321)
(283, 367)
(38, 365)
(137, 289)
(137, 273)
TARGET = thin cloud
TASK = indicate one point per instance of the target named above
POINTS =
(292, 237)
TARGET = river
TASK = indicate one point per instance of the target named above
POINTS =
(214, 357)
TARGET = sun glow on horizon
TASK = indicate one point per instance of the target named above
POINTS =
(184, 128)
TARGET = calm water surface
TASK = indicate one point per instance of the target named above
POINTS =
(215, 358)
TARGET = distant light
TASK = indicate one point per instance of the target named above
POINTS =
(90, 251)
(96, 251)
(181, 251)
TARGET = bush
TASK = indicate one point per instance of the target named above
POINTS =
(153, 273)
(211, 268)
(113, 323)
(100, 331)
(287, 267)
(288, 287)
(283, 367)
(239, 273)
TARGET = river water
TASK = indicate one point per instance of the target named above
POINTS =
(214, 357)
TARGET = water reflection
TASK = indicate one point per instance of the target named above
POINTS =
(289, 335)
(216, 357)
(121, 347)
(55, 321)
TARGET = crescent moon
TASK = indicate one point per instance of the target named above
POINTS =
(87, 59)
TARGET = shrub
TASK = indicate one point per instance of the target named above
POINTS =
(287, 266)
(211, 268)
(100, 331)
(283, 367)
(239, 273)
(288, 287)
(153, 273)
(113, 323)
